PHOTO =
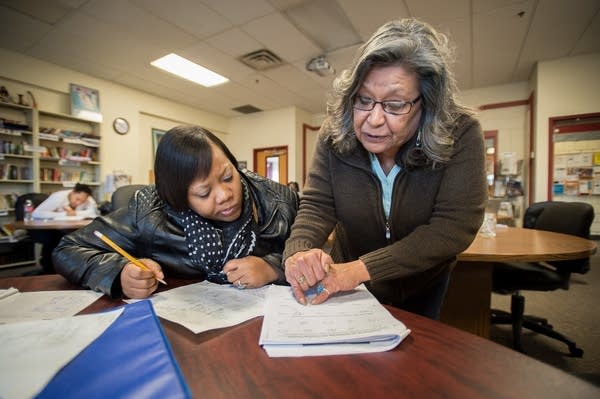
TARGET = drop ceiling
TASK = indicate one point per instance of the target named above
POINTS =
(497, 41)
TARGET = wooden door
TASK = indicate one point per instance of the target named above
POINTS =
(272, 163)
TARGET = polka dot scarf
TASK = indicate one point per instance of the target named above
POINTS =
(211, 244)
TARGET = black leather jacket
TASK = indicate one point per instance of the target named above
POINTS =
(149, 228)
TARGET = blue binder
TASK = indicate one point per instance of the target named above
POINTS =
(131, 359)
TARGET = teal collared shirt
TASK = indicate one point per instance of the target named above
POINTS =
(387, 182)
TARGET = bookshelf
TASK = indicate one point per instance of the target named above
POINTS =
(69, 152)
(17, 168)
(42, 151)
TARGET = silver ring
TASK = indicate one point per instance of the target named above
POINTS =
(240, 285)
(301, 279)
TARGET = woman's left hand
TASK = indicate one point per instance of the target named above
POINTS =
(341, 277)
(249, 272)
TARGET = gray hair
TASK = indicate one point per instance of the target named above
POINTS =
(418, 47)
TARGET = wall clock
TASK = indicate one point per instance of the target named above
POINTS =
(121, 125)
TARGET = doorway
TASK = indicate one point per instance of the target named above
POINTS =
(272, 163)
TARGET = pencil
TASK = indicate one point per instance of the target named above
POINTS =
(124, 253)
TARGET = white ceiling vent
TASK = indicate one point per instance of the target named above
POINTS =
(261, 60)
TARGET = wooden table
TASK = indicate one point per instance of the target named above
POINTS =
(64, 225)
(434, 361)
(468, 301)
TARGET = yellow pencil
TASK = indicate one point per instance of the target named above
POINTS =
(125, 254)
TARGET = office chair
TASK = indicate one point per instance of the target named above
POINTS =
(22, 251)
(36, 198)
(574, 218)
(120, 198)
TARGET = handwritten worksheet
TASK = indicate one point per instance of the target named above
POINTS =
(37, 305)
(32, 352)
(349, 322)
(205, 306)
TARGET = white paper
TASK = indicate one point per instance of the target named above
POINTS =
(38, 305)
(32, 352)
(206, 306)
(350, 322)
(6, 292)
(69, 218)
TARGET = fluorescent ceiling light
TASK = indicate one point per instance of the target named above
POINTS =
(186, 69)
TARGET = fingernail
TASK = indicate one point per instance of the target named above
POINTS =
(303, 301)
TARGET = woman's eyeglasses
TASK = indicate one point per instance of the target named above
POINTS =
(363, 103)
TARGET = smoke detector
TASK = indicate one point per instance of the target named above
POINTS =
(320, 66)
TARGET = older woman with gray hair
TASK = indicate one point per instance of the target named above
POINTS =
(397, 174)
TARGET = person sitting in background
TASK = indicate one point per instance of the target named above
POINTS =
(398, 172)
(76, 202)
(203, 219)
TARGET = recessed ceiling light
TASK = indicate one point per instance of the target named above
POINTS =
(189, 70)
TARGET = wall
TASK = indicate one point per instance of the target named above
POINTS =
(282, 127)
(512, 125)
(132, 152)
(510, 122)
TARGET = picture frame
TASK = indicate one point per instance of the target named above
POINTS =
(157, 134)
(85, 103)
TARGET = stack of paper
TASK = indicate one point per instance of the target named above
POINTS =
(350, 322)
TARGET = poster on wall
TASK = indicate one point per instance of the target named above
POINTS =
(157, 134)
(85, 103)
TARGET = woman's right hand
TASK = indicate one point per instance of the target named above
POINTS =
(305, 269)
(137, 283)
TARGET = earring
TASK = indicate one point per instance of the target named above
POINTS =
(418, 144)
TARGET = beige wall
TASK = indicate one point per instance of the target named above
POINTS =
(510, 122)
(282, 127)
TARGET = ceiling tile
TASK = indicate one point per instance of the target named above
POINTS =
(19, 32)
(190, 15)
(216, 61)
(239, 12)
(128, 20)
(48, 11)
(367, 17)
(496, 56)
(234, 42)
(325, 23)
(555, 29)
(291, 46)
(590, 40)
(291, 78)
(435, 12)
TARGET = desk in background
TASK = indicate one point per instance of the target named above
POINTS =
(63, 225)
(468, 301)
(434, 361)
(49, 233)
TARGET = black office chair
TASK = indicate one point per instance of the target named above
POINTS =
(22, 251)
(574, 218)
(121, 196)
(36, 199)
